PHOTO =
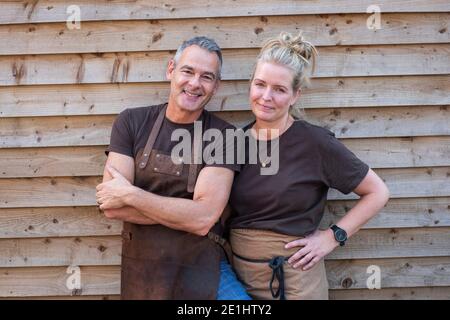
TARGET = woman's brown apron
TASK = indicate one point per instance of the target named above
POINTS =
(159, 262)
(260, 261)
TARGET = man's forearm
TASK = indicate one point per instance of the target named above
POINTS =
(129, 214)
(177, 213)
(197, 215)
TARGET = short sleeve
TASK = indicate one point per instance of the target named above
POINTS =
(341, 169)
(122, 135)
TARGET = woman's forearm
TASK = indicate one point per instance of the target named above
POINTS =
(365, 209)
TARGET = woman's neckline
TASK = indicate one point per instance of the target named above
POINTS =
(250, 127)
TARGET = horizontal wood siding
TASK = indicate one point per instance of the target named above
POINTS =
(385, 94)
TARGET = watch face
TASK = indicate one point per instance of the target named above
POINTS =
(341, 235)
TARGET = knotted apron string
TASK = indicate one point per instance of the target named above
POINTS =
(276, 264)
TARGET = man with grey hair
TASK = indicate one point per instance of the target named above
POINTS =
(171, 211)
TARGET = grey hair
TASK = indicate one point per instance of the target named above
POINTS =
(203, 42)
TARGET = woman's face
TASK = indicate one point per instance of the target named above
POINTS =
(271, 91)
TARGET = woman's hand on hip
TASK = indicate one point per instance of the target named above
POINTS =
(314, 247)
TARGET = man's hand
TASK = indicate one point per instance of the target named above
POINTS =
(112, 194)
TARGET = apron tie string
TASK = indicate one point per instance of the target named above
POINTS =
(276, 264)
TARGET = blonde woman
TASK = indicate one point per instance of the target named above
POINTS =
(278, 248)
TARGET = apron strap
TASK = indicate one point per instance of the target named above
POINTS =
(224, 244)
(192, 177)
(196, 161)
(152, 138)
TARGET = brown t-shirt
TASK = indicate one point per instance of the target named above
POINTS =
(129, 135)
(292, 202)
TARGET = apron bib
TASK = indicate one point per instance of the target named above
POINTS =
(159, 262)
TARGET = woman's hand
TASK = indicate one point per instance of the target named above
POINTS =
(314, 247)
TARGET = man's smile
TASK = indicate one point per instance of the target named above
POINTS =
(191, 94)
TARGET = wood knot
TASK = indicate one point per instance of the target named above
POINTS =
(156, 37)
(347, 283)
(76, 292)
(258, 30)
(333, 31)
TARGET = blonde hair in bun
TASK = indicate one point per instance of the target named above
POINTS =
(293, 52)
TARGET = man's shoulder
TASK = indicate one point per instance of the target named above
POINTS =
(215, 122)
(143, 112)
(140, 116)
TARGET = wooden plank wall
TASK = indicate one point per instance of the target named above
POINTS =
(385, 93)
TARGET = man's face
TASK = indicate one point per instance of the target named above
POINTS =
(194, 79)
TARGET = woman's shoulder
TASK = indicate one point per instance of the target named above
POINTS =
(304, 128)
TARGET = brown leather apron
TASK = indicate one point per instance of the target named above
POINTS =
(159, 262)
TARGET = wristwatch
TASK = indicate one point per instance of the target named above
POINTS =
(339, 234)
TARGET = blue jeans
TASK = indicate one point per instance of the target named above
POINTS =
(230, 288)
